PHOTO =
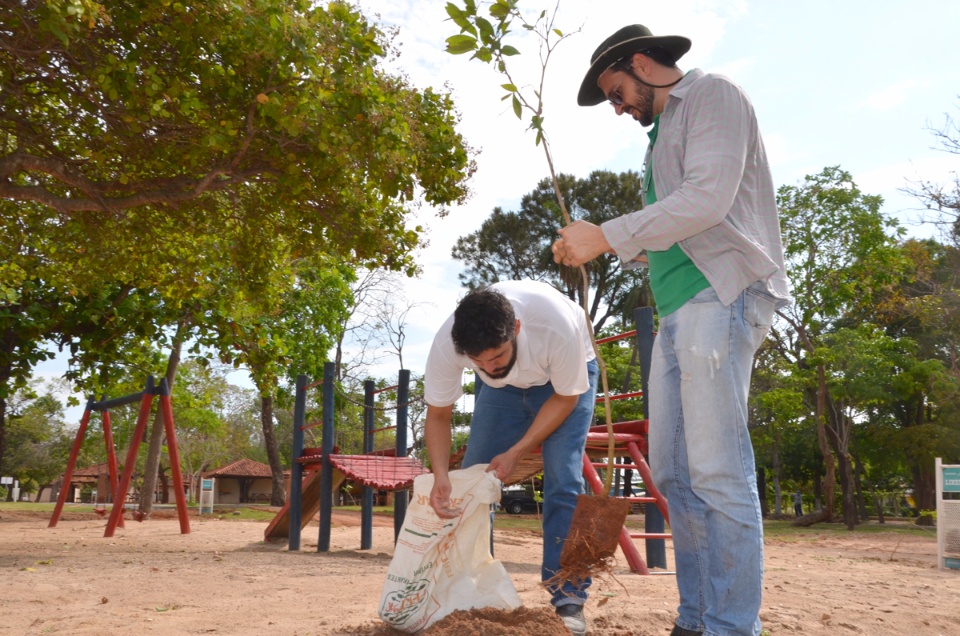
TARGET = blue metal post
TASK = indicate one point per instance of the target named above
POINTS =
(653, 519)
(326, 470)
(400, 497)
(366, 507)
(295, 503)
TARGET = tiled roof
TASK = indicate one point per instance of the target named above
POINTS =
(92, 471)
(241, 468)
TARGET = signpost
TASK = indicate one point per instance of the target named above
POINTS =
(206, 495)
(948, 516)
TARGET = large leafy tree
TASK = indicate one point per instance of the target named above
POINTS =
(148, 146)
(922, 416)
(109, 107)
(39, 440)
(516, 244)
(293, 336)
(207, 436)
(840, 253)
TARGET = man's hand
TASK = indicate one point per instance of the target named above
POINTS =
(503, 464)
(440, 498)
(579, 243)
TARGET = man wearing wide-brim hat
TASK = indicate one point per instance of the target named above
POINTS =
(710, 236)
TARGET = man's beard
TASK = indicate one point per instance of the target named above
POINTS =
(505, 370)
(643, 104)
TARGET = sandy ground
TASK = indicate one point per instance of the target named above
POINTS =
(223, 579)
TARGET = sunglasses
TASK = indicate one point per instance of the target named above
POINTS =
(615, 97)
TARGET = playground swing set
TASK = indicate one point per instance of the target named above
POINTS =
(315, 476)
(120, 485)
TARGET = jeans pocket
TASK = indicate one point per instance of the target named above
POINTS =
(758, 308)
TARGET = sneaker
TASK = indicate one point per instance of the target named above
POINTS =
(572, 616)
(680, 631)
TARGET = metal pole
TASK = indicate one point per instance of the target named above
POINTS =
(326, 470)
(295, 501)
(400, 496)
(117, 511)
(174, 454)
(71, 464)
(366, 507)
(112, 471)
(653, 521)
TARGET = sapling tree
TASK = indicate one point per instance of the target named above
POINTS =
(588, 546)
(486, 39)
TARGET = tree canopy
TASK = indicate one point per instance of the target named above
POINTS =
(109, 107)
(516, 244)
(165, 163)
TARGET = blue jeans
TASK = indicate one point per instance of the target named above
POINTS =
(500, 419)
(702, 458)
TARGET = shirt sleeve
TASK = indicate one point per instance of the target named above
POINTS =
(568, 364)
(443, 374)
(715, 138)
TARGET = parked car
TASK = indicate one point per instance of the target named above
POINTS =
(518, 501)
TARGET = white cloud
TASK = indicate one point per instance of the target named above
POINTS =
(890, 97)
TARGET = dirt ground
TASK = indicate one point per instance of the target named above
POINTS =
(223, 579)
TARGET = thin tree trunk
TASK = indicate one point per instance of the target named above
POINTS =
(838, 435)
(878, 504)
(924, 488)
(762, 489)
(846, 487)
(3, 421)
(777, 488)
(830, 468)
(278, 493)
(858, 485)
(152, 469)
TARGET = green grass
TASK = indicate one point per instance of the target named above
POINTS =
(783, 530)
(23, 506)
(376, 509)
(516, 522)
(241, 514)
(780, 529)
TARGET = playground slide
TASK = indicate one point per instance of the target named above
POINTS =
(279, 528)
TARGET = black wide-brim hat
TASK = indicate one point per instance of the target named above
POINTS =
(627, 41)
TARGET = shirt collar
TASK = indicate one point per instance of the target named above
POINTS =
(680, 90)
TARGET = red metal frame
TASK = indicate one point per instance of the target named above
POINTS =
(631, 444)
(116, 514)
(119, 487)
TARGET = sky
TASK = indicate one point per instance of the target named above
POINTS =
(853, 83)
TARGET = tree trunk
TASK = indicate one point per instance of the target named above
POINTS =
(164, 487)
(846, 487)
(777, 488)
(858, 484)
(3, 425)
(830, 476)
(762, 490)
(278, 493)
(152, 469)
(817, 494)
(924, 486)
(878, 503)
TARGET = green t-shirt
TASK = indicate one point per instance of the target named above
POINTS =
(674, 278)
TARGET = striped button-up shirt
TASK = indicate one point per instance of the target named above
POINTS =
(715, 194)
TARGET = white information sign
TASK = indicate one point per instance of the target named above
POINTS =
(948, 516)
(206, 495)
